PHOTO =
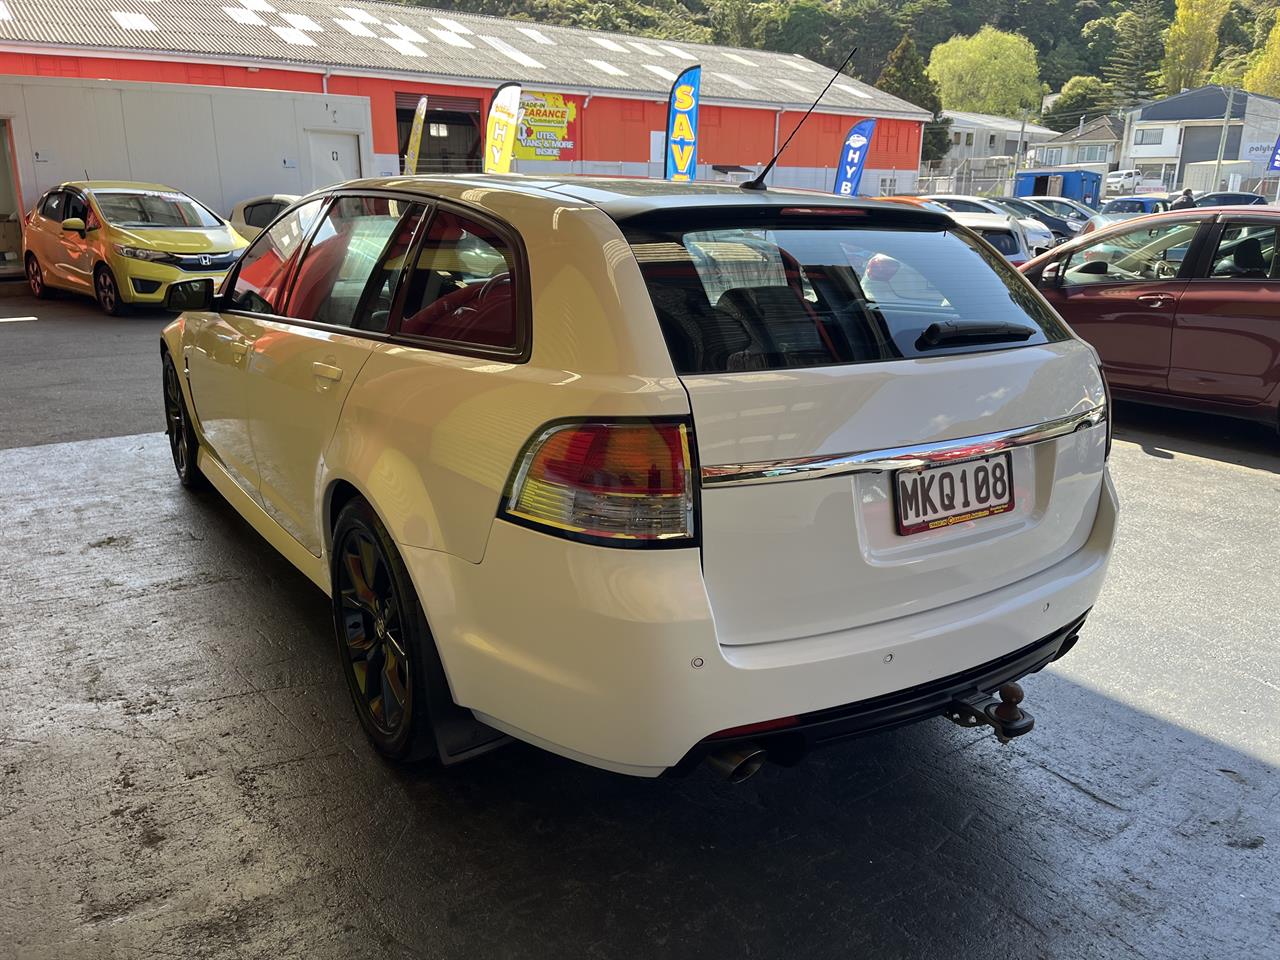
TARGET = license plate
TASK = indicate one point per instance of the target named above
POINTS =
(941, 496)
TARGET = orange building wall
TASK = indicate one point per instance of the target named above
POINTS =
(610, 129)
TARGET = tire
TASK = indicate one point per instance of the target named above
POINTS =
(107, 292)
(382, 635)
(183, 443)
(35, 279)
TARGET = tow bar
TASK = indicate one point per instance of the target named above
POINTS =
(1004, 716)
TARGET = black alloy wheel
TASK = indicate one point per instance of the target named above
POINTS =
(35, 278)
(107, 292)
(183, 443)
(382, 635)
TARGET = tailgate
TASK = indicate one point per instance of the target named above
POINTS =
(820, 551)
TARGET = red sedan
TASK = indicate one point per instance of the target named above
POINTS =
(1183, 307)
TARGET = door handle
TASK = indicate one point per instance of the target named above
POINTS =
(326, 371)
(1155, 300)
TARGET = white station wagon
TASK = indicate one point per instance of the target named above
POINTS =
(647, 474)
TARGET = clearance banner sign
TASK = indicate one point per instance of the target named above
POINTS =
(500, 130)
(682, 126)
(415, 137)
(853, 155)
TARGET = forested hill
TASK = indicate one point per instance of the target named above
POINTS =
(1071, 37)
(826, 31)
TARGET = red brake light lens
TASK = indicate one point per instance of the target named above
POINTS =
(608, 481)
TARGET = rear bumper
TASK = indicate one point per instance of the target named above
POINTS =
(789, 744)
(611, 657)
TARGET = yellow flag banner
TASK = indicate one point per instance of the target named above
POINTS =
(415, 137)
(500, 130)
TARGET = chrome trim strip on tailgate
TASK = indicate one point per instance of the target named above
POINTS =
(898, 458)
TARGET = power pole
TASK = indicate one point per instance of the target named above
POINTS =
(1019, 152)
(1222, 139)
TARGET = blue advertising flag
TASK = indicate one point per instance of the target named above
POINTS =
(681, 154)
(1274, 165)
(853, 154)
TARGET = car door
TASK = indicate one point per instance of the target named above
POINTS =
(1226, 335)
(75, 254)
(304, 363)
(1120, 293)
(44, 234)
(218, 344)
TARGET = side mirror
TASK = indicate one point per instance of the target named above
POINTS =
(1051, 274)
(75, 224)
(190, 295)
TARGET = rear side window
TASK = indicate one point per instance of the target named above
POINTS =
(264, 267)
(462, 287)
(344, 255)
(818, 294)
(1247, 251)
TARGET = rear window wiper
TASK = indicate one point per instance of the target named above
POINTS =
(948, 332)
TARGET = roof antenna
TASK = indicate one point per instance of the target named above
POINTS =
(757, 182)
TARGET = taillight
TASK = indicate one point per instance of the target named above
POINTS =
(615, 482)
(1109, 413)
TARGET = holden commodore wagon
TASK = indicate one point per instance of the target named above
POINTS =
(647, 473)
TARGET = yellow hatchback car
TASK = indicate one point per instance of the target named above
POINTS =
(124, 243)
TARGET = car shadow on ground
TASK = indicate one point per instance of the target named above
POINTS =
(190, 779)
(1163, 432)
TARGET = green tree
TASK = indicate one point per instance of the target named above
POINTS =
(869, 25)
(1082, 98)
(803, 27)
(989, 72)
(1132, 69)
(733, 22)
(1264, 75)
(904, 76)
(1192, 43)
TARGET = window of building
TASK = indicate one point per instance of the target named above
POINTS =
(1148, 135)
(462, 288)
(991, 140)
(438, 130)
(968, 139)
(1093, 153)
(264, 267)
(888, 186)
(1052, 156)
(333, 282)
(955, 138)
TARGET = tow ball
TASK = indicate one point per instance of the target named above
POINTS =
(1004, 716)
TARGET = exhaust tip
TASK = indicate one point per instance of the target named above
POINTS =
(738, 764)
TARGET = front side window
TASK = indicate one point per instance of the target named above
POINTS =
(264, 267)
(1150, 253)
(964, 206)
(141, 209)
(1245, 252)
(54, 206)
(780, 294)
(462, 287)
(76, 207)
(349, 248)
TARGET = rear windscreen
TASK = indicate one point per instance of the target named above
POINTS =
(805, 295)
(1002, 240)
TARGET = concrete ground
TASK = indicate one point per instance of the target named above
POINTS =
(181, 773)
